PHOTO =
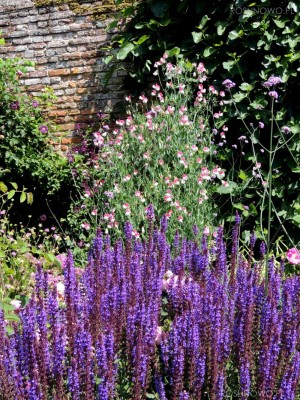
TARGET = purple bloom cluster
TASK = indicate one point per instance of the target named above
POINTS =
(272, 81)
(147, 317)
(228, 84)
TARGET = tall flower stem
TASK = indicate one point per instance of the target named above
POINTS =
(269, 198)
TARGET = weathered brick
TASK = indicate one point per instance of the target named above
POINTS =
(80, 70)
(59, 72)
(42, 24)
(25, 40)
(30, 82)
(58, 113)
(38, 74)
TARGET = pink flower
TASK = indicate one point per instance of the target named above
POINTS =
(16, 303)
(206, 231)
(184, 120)
(85, 226)
(144, 99)
(158, 336)
(181, 88)
(98, 139)
(293, 256)
(168, 197)
(62, 258)
(135, 234)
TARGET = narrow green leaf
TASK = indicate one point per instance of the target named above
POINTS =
(22, 197)
(242, 175)
(11, 317)
(11, 194)
(14, 185)
(3, 187)
(29, 197)
(203, 21)
(142, 39)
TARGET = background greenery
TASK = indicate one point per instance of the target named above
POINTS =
(247, 42)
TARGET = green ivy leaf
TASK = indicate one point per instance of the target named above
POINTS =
(239, 97)
(227, 189)
(246, 87)
(175, 51)
(228, 65)
(246, 14)
(221, 27)
(197, 36)
(203, 21)
(209, 51)
(233, 35)
(124, 51)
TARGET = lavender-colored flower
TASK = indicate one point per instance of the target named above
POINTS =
(273, 94)
(14, 105)
(43, 217)
(128, 230)
(114, 316)
(286, 129)
(261, 125)
(109, 194)
(228, 84)
(43, 129)
(35, 104)
(150, 213)
(272, 81)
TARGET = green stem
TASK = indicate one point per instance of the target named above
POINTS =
(270, 198)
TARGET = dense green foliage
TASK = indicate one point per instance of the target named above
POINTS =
(246, 42)
(26, 156)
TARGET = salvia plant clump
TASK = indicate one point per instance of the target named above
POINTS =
(147, 319)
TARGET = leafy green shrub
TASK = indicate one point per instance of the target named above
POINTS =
(22, 248)
(162, 153)
(26, 156)
(246, 42)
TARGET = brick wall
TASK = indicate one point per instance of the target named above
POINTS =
(64, 42)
